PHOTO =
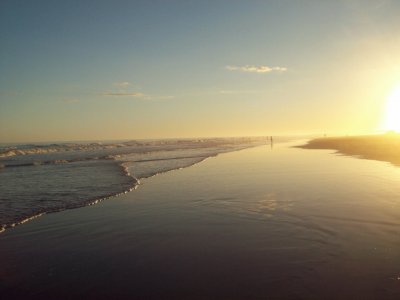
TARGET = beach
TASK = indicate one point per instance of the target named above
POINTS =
(44, 178)
(260, 223)
(383, 147)
(185, 150)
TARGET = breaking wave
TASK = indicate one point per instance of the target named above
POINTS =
(36, 180)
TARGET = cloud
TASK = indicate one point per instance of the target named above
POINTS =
(256, 69)
(137, 95)
(122, 84)
(149, 97)
(125, 89)
(123, 94)
(70, 100)
(230, 92)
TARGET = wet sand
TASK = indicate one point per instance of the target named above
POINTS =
(262, 223)
(384, 147)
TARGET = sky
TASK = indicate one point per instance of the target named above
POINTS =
(109, 70)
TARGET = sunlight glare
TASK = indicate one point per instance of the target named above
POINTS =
(392, 119)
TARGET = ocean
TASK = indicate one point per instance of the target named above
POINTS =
(41, 178)
(260, 223)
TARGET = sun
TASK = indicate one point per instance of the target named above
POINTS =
(392, 118)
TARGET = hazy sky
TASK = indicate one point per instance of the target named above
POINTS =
(73, 70)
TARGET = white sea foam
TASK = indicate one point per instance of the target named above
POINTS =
(39, 179)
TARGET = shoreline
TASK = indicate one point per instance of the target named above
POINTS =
(382, 147)
(238, 217)
(134, 184)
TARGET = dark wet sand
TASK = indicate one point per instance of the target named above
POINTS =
(262, 223)
(384, 147)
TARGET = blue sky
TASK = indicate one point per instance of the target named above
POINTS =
(72, 70)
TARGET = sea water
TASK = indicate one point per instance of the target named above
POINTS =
(42, 178)
(262, 223)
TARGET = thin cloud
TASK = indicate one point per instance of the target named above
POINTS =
(124, 89)
(230, 92)
(123, 94)
(70, 100)
(122, 84)
(137, 95)
(256, 69)
(149, 97)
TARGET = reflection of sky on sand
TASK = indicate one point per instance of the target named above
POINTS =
(299, 183)
(289, 223)
(270, 204)
(264, 207)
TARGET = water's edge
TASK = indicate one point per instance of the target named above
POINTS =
(134, 183)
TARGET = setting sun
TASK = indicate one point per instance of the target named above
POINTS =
(213, 150)
(392, 119)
